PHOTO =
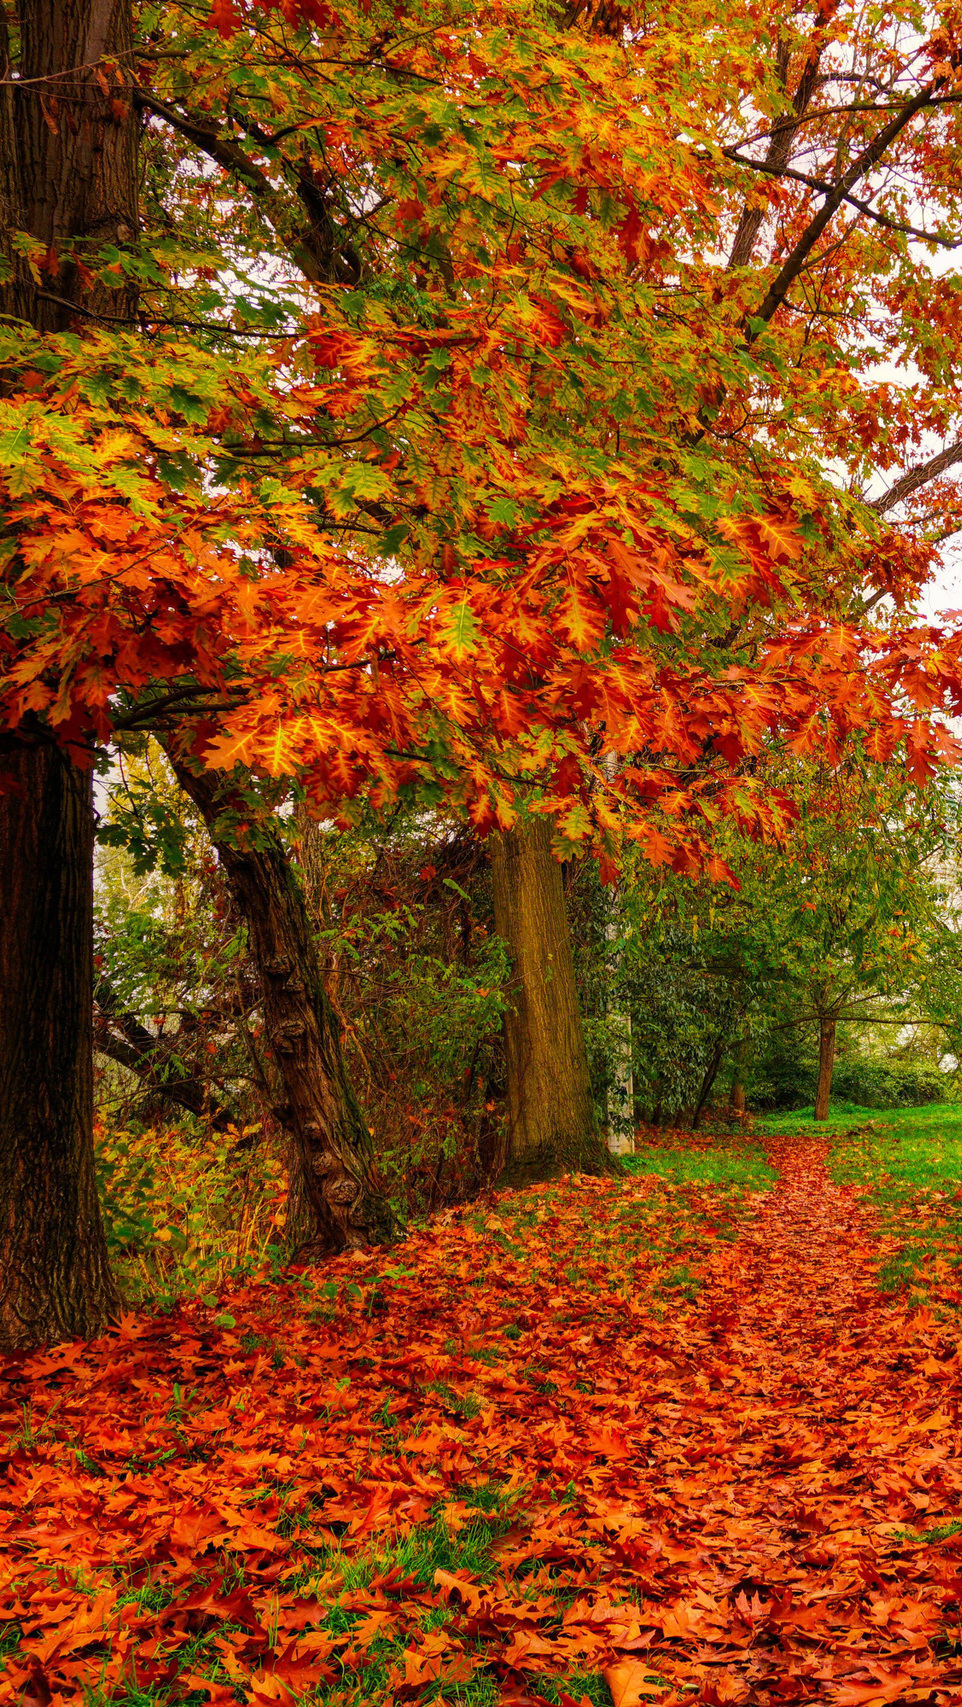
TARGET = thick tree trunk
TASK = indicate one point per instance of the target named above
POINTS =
(826, 1063)
(550, 1121)
(335, 1203)
(68, 177)
(68, 154)
(54, 1275)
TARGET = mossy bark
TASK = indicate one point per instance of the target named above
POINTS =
(826, 1064)
(551, 1126)
(335, 1202)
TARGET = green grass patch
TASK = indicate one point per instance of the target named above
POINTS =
(928, 1537)
(682, 1280)
(903, 1150)
(842, 1117)
(746, 1167)
(426, 1549)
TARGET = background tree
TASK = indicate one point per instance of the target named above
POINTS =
(846, 921)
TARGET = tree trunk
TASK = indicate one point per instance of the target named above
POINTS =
(707, 1083)
(621, 1091)
(736, 1100)
(68, 177)
(826, 1062)
(54, 1275)
(550, 1122)
(334, 1201)
(68, 156)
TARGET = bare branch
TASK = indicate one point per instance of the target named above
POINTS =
(825, 188)
(916, 477)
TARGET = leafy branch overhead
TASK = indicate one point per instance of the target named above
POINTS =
(424, 429)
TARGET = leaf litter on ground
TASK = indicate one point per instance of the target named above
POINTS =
(657, 1439)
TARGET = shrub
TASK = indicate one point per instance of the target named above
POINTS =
(875, 1083)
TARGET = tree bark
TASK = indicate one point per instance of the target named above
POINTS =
(54, 1274)
(826, 1063)
(737, 1097)
(620, 1110)
(707, 1083)
(335, 1203)
(68, 177)
(551, 1125)
(68, 156)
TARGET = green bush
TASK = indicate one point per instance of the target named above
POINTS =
(875, 1083)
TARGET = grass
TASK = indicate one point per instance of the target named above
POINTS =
(928, 1537)
(842, 1117)
(346, 1587)
(740, 1165)
(899, 1151)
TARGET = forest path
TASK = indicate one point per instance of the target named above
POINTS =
(599, 1442)
(822, 1438)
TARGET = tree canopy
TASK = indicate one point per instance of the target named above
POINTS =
(484, 389)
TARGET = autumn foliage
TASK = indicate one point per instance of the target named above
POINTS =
(485, 411)
(456, 487)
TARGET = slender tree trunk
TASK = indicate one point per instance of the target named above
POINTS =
(621, 1093)
(826, 1063)
(54, 1274)
(550, 1121)
(736, 1099)
(68, 177)
(334, 1203)
(707, 1083)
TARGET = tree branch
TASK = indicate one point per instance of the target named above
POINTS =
(779, 146)
(916, 477)
(320, 251)
(825, 188)
(870, 156)
(140, 1053)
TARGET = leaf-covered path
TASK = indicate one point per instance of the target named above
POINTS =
(816, 1436)
(599, 1437)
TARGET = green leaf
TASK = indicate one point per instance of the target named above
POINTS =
(461, 631)
(366, 480)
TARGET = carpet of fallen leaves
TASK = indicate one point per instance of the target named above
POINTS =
(653, 1435)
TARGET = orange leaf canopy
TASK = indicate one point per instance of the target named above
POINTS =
(458, 454)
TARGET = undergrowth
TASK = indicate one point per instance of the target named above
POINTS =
(185, 1215)
(189, 1217)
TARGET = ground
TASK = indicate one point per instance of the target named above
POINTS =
(691, 1436)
